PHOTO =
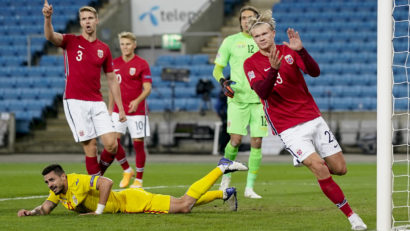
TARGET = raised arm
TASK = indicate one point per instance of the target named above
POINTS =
(43, 209)
(116, 94)
(295, 43)
(53, 37)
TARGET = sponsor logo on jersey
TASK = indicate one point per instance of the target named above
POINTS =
(267, 69)
(115, 70)
(132, 71)
(100, 53)
(79, 46)
(251, 75)
(289, 59)
(241, 45)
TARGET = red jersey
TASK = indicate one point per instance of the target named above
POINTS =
(290, 102)
(131, 75)
(83, 61)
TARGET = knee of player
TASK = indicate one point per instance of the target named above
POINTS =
(256, 142)
(340, 171)
(111, 147)
(235, 142)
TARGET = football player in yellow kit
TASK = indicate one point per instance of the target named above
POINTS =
(93, 195)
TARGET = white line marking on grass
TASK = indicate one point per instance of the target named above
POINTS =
(116, 190)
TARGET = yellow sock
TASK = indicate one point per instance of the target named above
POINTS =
(201, 186)
(209, 196)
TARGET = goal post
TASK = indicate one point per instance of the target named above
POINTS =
(384, 114)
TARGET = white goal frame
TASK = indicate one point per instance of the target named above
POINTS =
(384, 114)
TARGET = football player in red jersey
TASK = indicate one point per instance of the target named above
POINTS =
(134, 77)
(85, 110)
(274, 74)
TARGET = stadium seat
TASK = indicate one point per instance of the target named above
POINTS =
(200, 59)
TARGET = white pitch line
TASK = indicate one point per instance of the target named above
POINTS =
(117, 190)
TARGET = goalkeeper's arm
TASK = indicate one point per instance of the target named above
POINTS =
(225, 84)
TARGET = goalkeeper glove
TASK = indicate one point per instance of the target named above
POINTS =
(226, 87)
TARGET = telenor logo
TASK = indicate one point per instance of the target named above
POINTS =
(153, 19)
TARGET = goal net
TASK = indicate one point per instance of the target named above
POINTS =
(393, 183)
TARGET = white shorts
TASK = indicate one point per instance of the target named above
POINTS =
(138, 125)
(306, 138)
(87, 119)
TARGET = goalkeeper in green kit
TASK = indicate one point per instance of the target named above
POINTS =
(244, 106)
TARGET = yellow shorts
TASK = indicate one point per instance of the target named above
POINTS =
(140, 201)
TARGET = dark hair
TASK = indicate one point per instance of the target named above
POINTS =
(53, 167)
(251, 8)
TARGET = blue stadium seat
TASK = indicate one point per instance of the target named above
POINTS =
(165, 60)
(341, 103)
(401, 104)
(200, 59)
(7, 82)
(352, 91)
(182, 60)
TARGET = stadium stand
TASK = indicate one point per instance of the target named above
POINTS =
(30, 91)
(341, 37)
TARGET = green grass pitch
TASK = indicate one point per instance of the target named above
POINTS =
(292, 200)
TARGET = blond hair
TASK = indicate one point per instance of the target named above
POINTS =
(264, 18)
(127, 35)
(89, 9)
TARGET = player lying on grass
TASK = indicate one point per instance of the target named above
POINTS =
(93, 195)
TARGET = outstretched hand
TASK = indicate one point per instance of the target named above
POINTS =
(23, 213)
(274, 58)
(47, 9)
(295, 43)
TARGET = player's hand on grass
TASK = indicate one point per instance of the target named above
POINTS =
(47, 9)
(226, 87)
(274, 58)
(295, 43)
(23, 213)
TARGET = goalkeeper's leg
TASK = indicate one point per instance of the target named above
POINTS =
(231, 151)
(254, 163)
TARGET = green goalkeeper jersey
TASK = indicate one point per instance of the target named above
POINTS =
(235, 49)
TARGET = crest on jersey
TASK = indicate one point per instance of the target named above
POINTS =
(133, 70)
(299, 152)
(75, 199)
(100, 53)
(251, 75)
(289, 59)
(81, 133)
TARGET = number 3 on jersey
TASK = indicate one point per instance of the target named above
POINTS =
(79, 56)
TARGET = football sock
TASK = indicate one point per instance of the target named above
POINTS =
(201, 186)
(335, 194)
(106, 160)
(209, 197)
(120, 156)
(140, 157)
(230, 153)
(92, 166)
(255, 158)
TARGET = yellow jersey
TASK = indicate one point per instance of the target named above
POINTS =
(82, 196)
